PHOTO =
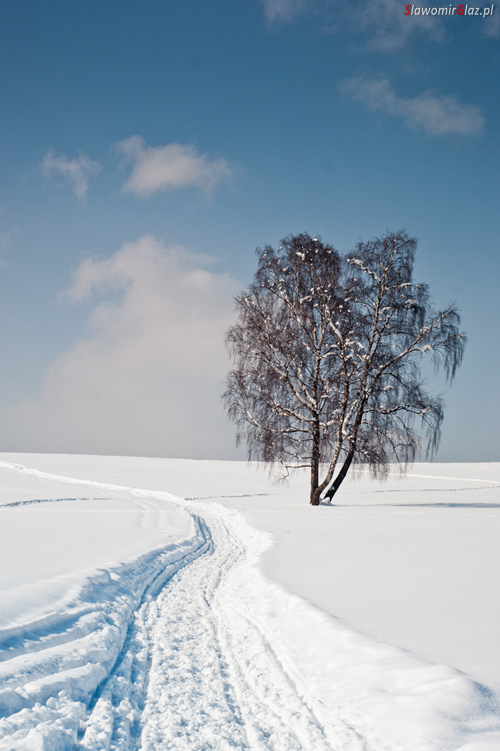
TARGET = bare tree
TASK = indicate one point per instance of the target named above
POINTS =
(391, 326)
(327, 355)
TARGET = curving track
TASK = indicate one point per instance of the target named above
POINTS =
(160, 654)
(190, 648)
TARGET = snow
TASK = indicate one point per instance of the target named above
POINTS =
(174, 604)
(56, 534)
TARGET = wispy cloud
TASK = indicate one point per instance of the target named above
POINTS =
(492, 26)
(146, 379)
(389, 29)
(172, 166)
(437, 115)
(75, 173)
(284, 10)
(382, 23)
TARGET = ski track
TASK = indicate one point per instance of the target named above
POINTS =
(159, 658)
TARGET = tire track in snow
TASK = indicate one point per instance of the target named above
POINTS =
(215, 683)
(53, 665)
(116, 706)
(204, 665)
(197, 675)
(194, 672)
(55, 669)
(278, 712)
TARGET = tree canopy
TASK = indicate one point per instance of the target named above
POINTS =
(327, 354)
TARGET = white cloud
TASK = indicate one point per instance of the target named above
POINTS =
(283, 10)
(147, 378)
(390, 29)
(382, 23)
(437, 115)
(173, 166)
(75, 172)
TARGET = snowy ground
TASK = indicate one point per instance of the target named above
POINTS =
(167, 604)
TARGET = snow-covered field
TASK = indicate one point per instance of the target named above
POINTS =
(170, 604)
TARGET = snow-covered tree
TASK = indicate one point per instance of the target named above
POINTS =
(327, 359)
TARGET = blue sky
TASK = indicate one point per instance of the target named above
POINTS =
(148, 148)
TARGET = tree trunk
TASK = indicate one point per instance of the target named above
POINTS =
(314, 496)
(341, 475)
